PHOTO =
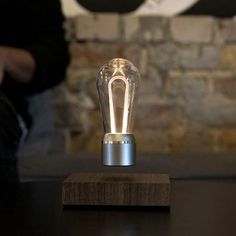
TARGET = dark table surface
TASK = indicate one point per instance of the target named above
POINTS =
(198, 207)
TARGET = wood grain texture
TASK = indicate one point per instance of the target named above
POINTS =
(116, 189)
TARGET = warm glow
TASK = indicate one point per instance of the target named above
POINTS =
(118, 85)
(126, 104)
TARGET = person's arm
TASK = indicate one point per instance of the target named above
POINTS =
(48, 46)
(18, 63)
(42, 36)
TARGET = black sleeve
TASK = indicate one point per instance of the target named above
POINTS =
(43, 37)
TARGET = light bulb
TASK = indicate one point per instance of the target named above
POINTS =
(118, 84)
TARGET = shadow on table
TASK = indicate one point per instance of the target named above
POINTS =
(9, 183)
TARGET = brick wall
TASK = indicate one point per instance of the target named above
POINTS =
(187, 101)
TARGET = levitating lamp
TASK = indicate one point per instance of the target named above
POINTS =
(118, 85)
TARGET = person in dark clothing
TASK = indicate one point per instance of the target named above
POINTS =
(33, 58)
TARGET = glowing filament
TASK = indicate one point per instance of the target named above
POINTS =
(126, 104)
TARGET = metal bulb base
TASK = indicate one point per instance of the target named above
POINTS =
(119, 150)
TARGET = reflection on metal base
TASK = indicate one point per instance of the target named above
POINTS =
(118, 150)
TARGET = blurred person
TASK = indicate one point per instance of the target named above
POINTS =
(33, 58)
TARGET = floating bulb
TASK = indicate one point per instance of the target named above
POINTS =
(118, 84)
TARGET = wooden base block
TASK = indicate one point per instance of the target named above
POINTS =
(116, 189)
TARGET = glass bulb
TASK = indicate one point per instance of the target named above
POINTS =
(118, 83)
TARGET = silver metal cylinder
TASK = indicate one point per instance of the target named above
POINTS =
(118, 150)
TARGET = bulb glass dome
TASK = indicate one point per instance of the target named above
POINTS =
(118, 83)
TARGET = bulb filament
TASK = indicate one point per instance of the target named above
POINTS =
(111, 104)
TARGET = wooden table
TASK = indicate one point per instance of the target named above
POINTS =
(198, 207)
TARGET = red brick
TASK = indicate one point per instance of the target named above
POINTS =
(226, 87)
